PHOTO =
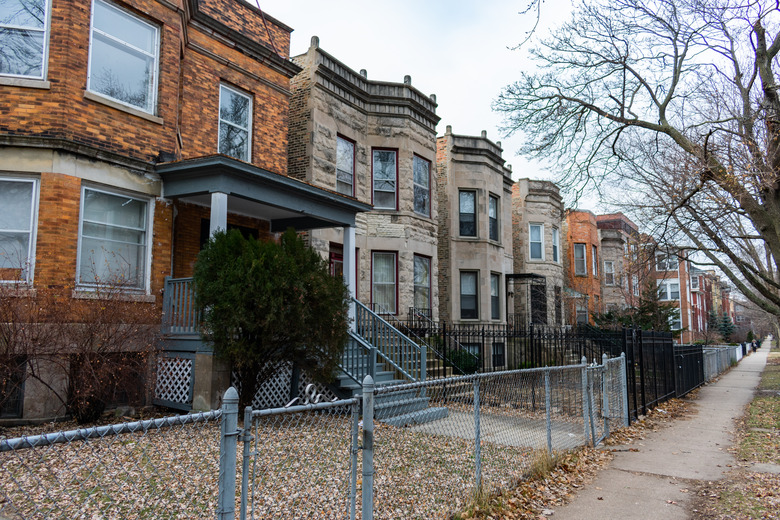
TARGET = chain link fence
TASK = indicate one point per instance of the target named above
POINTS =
(421, 450)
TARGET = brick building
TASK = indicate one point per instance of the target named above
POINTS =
(475, 231)
(582, 268)
(537, 283)
(129, 131)
(374, 141)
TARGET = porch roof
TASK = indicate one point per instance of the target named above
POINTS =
(255, 192)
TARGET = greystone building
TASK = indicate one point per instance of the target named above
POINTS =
(620, 281)
(374, 141)
(537, 284)
(475, 229)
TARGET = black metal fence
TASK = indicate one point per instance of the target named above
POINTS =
(656, 369)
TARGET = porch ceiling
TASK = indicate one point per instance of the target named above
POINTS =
(283, 201)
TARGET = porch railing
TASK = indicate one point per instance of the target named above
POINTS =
(180, 315)
(394, 347)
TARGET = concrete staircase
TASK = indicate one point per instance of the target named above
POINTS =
(396, 408)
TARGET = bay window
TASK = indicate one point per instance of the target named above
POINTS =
(345, 166)
(385, 172)
(422, 186)
(469, 309)
(467, 213)
(24, 28)
(18, 199)
(422, 282)
(536, 241)
(580, 268)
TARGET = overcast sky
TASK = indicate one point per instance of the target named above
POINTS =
(457, 49)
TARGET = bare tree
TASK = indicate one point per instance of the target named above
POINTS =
(675, 102)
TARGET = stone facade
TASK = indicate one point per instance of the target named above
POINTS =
(473, 166)
(619, 238)
(538, 286)
(332, 106)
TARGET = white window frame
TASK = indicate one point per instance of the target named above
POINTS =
(248, 129)
(494, 205)
(556, 245)
(351, 171)
(532, 242)
(416, 159)
(147, 239)
(609, 272)
(695, 283)
(153, 89)
(635, 284)
(584, 270)
(594, 257)
(665, 289)
(476, 293)
(666, 262)
(28, 271)
(46, 31)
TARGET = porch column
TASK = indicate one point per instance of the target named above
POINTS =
(348, 258)
(219, 202)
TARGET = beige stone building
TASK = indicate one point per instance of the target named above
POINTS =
(537, 285)
(475, 231)
(374, 141)
(621, 269)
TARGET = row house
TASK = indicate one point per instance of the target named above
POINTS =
(475, 231)
(583, 268)
(537, 285)
(375, 142)
(130, 130)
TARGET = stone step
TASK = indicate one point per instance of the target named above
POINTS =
(385, 409)
(419, 417)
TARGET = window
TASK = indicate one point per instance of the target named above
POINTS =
(595, 260)
(536, 241)
(666, 262)
(113, 239)
(558, 294)
(235, 124)
(123, 57)
(345, 166)
(422, 282)
(695, 283)
(495, 300)
(17, 228)
(556, 244)
(675, 323)
(499, 354)
(468, 295)
(385, 170)
(493, 218)
(669, 289)
(579, 260)
(24, 26)
(422, 183)
(582, 312)
(383, 282)
(635, 284)
(468, 213)
(609, 272)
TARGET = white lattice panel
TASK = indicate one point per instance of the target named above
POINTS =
(275, 392)
(174, 379)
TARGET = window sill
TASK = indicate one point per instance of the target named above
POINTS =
(13, 289)
(124, 108)
(24, 82)
(91, 294)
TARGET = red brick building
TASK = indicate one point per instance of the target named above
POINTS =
(582, 269)
(131, 130)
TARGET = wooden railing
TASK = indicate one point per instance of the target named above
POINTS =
(180, 315)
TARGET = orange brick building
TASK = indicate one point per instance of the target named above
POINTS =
(582, 272)
(131, 130)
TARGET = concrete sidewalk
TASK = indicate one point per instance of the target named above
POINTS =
(653, 483)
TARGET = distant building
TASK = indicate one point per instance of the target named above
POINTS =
(582, 266)
(620, 281)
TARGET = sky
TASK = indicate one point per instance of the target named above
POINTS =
(460, 50)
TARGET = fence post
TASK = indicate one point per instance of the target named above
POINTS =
(477, 440)
(605, 393)
(368, 448)
(585, 399)
(226, 497)
(246, 437)
(353, 460)
(624, 387)
(547, 410)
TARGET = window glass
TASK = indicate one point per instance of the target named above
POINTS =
(556, 242)
(384, 168)
(579, 260)
(113, 240)
(422, 192)
(17, 219)
(123, 57)
(493, 217)
(595, 260)
(235, 116)
(345, 166)
(468, 295)
(422, 282)
(609, 272)
(383, 274)
(535, 241)
(23, 39)
(495, 301)
(468, 213)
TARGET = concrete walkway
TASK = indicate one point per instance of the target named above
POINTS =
(653, 483)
